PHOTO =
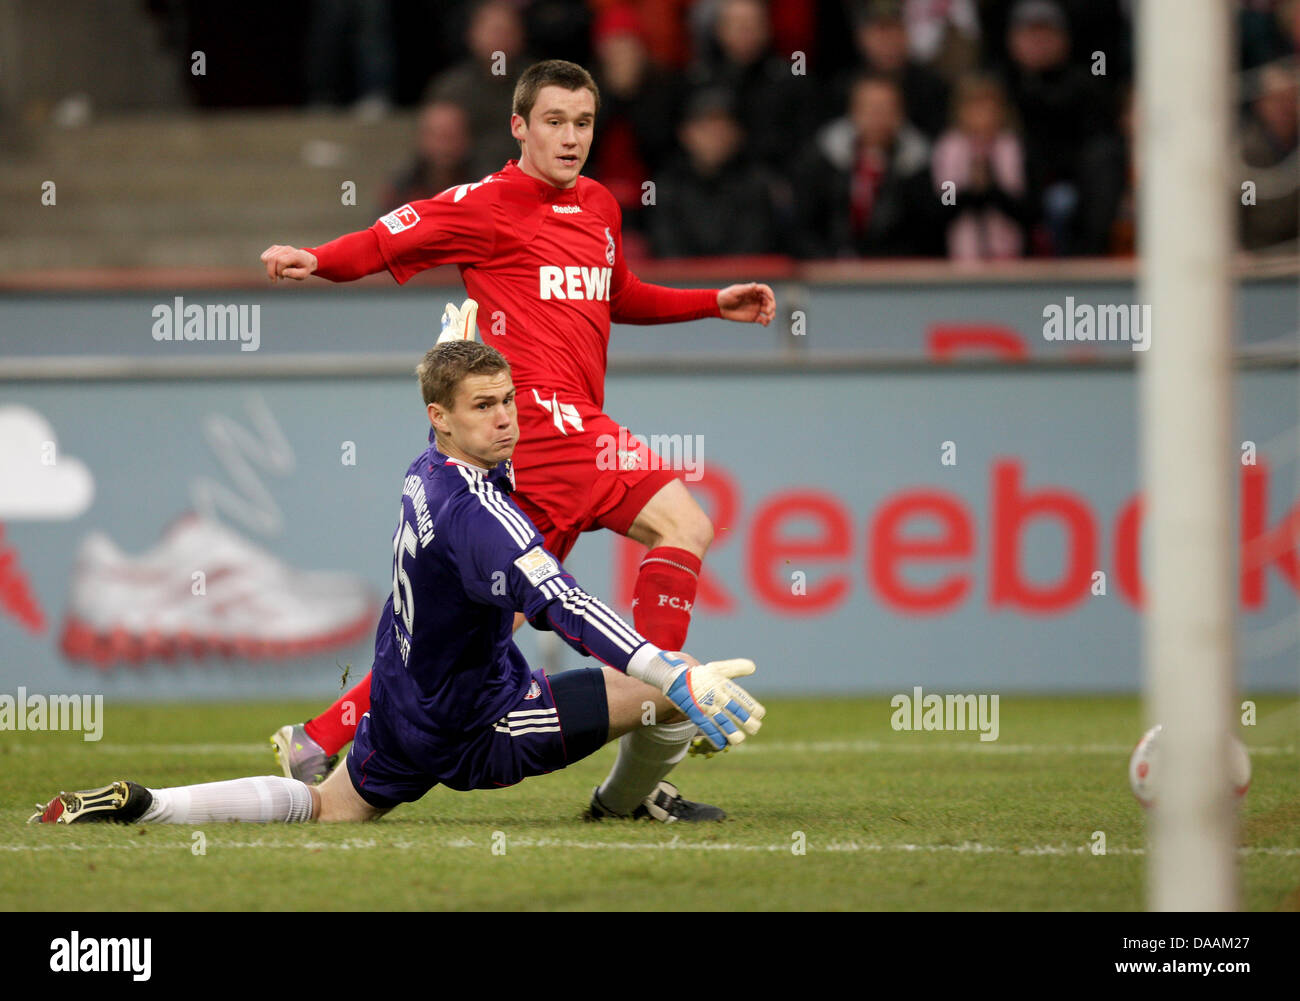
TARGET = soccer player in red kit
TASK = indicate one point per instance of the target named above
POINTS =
(540, 248)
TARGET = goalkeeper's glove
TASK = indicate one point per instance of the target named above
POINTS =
(722, 710)
(459, 324)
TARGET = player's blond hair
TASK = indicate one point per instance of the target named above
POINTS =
(446, 364)
(550, 73)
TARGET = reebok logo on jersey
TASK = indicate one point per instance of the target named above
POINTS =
(565, 209)
(400, 219)
(574, 282)
(537, 566)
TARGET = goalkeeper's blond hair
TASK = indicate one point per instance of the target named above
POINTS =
(445, 365)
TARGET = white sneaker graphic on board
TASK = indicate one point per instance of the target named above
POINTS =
(204, 589)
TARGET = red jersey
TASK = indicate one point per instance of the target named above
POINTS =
(545, 264)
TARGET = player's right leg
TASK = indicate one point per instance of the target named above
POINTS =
(260, 799)
(257, 800)
(676, 533)
(337, 799)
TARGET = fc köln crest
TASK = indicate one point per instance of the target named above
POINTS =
(609, 247)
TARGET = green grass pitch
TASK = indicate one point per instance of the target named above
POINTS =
(888, 821)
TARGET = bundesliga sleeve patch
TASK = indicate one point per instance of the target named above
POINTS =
(400, 219)
(537, 566)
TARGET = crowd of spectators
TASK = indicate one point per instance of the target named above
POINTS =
(968, 129)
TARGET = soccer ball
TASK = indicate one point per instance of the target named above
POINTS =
(1144, 767)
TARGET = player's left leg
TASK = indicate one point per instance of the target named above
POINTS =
(677, 533)
(573, 714)
(653, 738)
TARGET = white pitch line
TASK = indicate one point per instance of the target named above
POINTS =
(215, 844)
(757, 746)
(974, 745)
(102, 747)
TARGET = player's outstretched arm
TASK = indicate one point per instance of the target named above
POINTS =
(345, 259)
(752, 302)
(635, 301)
(288, 262)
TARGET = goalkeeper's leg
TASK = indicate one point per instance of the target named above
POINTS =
(261, 799)
(653, 738)
(660, 513)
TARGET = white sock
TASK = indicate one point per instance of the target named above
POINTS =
(262, 799)
(645, 756)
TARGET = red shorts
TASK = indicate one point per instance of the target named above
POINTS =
(577, 470)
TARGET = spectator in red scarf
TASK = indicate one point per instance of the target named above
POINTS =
(863, 188)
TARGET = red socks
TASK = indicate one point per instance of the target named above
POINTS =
(335, 727)
(664, 594)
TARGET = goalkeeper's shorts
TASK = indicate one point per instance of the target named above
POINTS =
(556, 722)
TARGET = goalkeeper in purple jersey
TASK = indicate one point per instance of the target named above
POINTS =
(453, 702)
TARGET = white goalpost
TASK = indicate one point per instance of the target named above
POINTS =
(1186, 83)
